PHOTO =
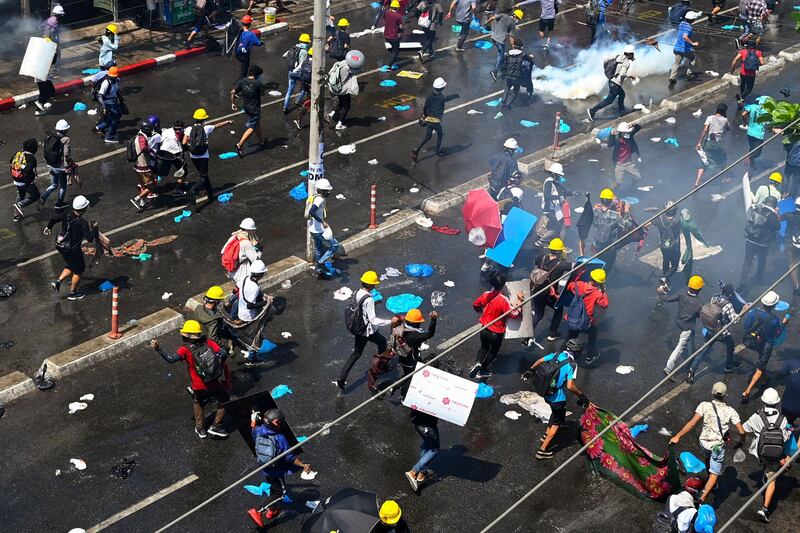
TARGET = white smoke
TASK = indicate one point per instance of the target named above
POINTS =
(586, 77)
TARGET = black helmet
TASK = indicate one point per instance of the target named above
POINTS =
(274, 415)
(574, 346)
(146, 128)
(771, 201)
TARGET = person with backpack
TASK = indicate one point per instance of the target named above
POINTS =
(249, 89)
(771, 188)
(270, 442)
(714, 316)
(711, 142)
(684, 49)
(676, 11)
(755, 130)
(610, 218)
(23, 175)
(465, 11)
(363, 324)
(343, 84)
(338, 43)
(762, 328)
(209, 315)
(109, 43)
(717, 418)
(503, 26)
(790, 406)
(553, 375)
(625, 154)
(554, 206)
(408, 343)
(142, 153)
(580, 314)
(58, 156)
(492, 305)
(303, 75)
(548, 268)
(432, 114)
(247, 40)
(209, 375)
(689, 305)
(430, 16)
(324, 248)
(617, 70)
(110, 98)
(196, 138)
(170, 155)
(771, 430)
(295, 56)
(752, 59)
(240, 251)
(679, 514)
(760, 231)
(73, 231)
(502, 167)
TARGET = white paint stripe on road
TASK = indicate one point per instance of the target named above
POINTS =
(142, 504)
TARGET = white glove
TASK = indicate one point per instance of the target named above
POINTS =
(254, 417)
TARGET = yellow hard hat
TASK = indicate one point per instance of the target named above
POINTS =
(343, 23)
(370, 278)
(556, 245)
(598, 275)
(518, 13)
(304, 38)
(200, 114)
(776, 177)
(606, 194)
(191, 327)
(414, 316)
(112, 28)
(215, 293)
(696, 283)
(311, 51)
(390, 512)
(394, 3)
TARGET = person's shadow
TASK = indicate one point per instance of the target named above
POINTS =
(454, 462)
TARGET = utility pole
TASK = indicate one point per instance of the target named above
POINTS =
(316, 142)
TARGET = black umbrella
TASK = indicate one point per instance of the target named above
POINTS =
(347, 511)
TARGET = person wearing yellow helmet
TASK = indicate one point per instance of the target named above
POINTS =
(392, 519)
(393, 30)
(363, 324)
(211, 319)
(338, 43)
(592, 294)
(295, 56)
(109, 43)
(503, 26)
(772, 188)
(548, 267)
(689, 305)
(610, 218)
(209, 375)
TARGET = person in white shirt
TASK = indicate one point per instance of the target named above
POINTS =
(325, 244)
(363, 297)
(717, 418)
(249, 251)
(252, 301)
(615, 90)
(170, 155)
(772, 459)
(684, 502)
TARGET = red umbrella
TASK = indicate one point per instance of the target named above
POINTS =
(482, 218)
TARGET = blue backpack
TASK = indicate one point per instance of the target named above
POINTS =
(576, 314)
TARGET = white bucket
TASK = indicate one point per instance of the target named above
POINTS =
(269, 15)
(38, 58)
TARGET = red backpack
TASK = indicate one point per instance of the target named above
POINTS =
(230, 254)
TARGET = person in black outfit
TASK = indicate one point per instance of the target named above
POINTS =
(760, 231)
(513, 69)
(432, 115)
(23, 174)
(74, 230)
(555, 264)
(669, 230)
(250, 90)
(503, 167)
(338, 44)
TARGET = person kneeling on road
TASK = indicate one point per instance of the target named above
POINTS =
(556, 373)
(251, 301)
(209, 374)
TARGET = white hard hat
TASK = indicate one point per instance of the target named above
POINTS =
(258, 267)
(770, 299)
(323, 185)
(771, 397)
(628, 49)
(57, 10)
(511, 143)
(80, 203)
(692, 15)
(624, 127)
(62, 125)
(248, 224)
(439, 83)
(516, 192)
(556, 168)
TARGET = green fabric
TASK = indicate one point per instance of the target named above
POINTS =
(618, 457)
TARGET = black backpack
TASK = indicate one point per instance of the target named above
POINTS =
(677, 12)
(770, 440)
(95, 95)
(336, 50)
(666, 521)
(751, 61)
(305, 71)
(544, 378)
(354, 317)
(53, 151)
(292, 57)
(756, 334)
(208, 364)
(610, 67)
(62, 239)
(198, 140)
(133, 151)
(757, 217)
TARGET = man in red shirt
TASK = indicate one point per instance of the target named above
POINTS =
(492, 304)
(747, 76)
(209, 375)
(393, 30)
(594, 294)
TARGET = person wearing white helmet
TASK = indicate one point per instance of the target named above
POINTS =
(554, 194)
(431, 119)
(625, 155)
(251, 302)
(684, 49)
(503, 167)
(74, 230)
(240, 251)
(23, 174)
(51, 28)
(770, 431)
(621, 65)
(762, 328)
(57, 154)
(325, 244)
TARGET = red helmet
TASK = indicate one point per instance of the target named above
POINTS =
(693, 485)
(247, 19)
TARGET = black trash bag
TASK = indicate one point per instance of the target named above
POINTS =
(7, 289)
(125, 467)
(41, 379)
(2, 410)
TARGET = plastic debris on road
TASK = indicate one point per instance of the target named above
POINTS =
(79, 106)
(670, 120)
(275, 93)
(124, 468)
(449, 283)
(419, 270)
(698, 113)
(498, 115)
(376, 295)
(384, 68)
(513, 415)
(304, 173)
(578, 210)
(728, 27)
(225, 197)
(258, 490)
(641, 108)
(77, 530)
(403, 303)
(166, 295)
(528, 123)
(413, 190)
(308, 476)
(392, 272)
(302, 439)
(372, 162)
(672, 141)
(266, 346)
(706, 519)
(739, 456)
(424, 222)
(228, 155)
(691, 464)
(381, 119)
(388, 83)
(563, 127)
(483, 45)
(639, 428)
(74, 407)
(106, 286)
(437, 298)
(299, 192)
(494, 103)
(341, 196)
(474, 112)
(347, 149)
(717, 197)
(402, 107)
(655, 139)
(455, 28)
(375, 5)
(342, 294)
(286, 335)
(529, 401)
(280, 390)
(287, 284)
(645, 188)
(621, 369)
(484, 391)
(92, 112)
(632, 200)
(603, 134)
(90, 71)
(79, 464)
(665, 432)
(87, 397)
(145, 257)
(184, 214)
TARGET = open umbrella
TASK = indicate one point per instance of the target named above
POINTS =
(349, 511)
(482, 218)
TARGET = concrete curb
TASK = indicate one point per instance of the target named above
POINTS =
(14, 385)
(673, 103)
(145, 64)
(393, 223)
(791, 54)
